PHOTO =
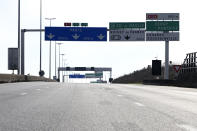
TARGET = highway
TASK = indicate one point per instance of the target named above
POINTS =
(50, 106)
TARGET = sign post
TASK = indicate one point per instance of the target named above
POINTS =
(162, 32)
(166, 73)
(176, 68)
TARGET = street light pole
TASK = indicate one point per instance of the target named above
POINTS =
(62, 66)
(19, 36)
(40, 38)
(59, 52)
(50, 19)
(55, 59)
(59, 60)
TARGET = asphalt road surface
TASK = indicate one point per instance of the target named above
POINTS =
(40, 106)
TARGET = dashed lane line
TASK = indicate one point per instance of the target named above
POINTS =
(139, 104)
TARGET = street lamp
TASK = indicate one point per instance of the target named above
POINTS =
(59, 52)
(41, 73)
(18, 37)
(50, 19)
(62, 66)
(59, 59)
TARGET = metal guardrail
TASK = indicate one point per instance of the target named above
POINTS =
(190, 63)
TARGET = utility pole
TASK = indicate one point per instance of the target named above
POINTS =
(50, 19)
(40, 38)
(55, 61)
(62, 66)
(19, 37)
(166, 73)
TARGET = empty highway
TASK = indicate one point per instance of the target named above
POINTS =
(42, 106)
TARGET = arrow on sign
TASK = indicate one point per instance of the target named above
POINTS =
(76, 36)
(50, 36)
(127, 37)
(101, 36)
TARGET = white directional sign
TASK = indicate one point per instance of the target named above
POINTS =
(127, 35)
(162, 16)
(161, 36)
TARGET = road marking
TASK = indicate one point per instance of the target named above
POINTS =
(139, 104)
(38, 89)
(187, 127)
(119, 95)
(186, 92)
(47, 87)
(24, 93)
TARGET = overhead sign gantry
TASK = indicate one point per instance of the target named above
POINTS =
(98, 70)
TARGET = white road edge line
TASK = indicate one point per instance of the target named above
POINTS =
(187, 127)
(24, 93)
(139, 104)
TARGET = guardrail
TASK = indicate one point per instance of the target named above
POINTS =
(9, 78)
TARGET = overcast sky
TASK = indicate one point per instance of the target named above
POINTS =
(123, 57)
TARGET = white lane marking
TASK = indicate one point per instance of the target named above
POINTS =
(139, 104)
(47, 87)
(186, 92)
(187, 127)
(119, 95)
(38, 89)
(24, 93)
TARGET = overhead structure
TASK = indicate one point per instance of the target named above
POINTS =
(158, 27)
(98, 71)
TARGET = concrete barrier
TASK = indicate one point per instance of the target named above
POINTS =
(9, 78)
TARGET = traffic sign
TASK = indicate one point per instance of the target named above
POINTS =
(94, 75)
(162, 16)
(12, 58)
(75, 24)
(156, 67)
(84, 24)
(162, 25)
(76, 76)
(99, 73)
(122, 25)
(162, 36)
(127, 35)
(67, 24)
(76, 33)
(177, 68)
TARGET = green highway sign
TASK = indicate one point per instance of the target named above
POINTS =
(162, 25)
(94, 75)
(99, 74)
(122, 25)
(84, 24)
(75, 24)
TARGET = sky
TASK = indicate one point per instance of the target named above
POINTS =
(123, 57)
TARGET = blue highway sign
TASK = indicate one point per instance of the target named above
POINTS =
(75, 33)
(76, 76)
